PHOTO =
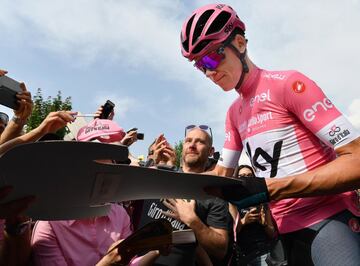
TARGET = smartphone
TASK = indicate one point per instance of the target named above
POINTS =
(140, 136)
(108, 107)
(132, 129)
(160, 139)
(8, 90)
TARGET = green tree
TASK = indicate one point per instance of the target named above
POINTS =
(178, 150)
(43, 107)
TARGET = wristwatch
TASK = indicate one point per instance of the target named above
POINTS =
(18, 228)
(18, 120)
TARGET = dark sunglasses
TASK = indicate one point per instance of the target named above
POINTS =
(206, 128)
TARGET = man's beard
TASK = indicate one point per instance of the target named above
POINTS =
(195, 162)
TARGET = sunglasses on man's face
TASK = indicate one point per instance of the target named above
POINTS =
(211, 61)
(206, 128)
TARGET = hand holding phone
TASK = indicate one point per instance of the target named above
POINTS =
(139, 136)
(8, 90)
(161, 139)
(108, 107)
(132, 129)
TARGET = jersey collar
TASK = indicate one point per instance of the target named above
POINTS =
(252, 79)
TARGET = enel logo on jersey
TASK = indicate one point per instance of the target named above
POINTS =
(261, 97)
(310, 114)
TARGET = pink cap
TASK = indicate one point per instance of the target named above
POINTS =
(103, 130)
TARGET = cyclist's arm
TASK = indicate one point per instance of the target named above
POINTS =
(319, 115)
(342, 174)
(221, 171)
(232, 146)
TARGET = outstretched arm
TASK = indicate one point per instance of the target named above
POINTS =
(340, 175)
(337, 176)
(53, 122)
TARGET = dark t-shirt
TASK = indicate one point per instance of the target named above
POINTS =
(212, 212)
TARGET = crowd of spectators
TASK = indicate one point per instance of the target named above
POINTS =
(224, 235)
(87, 241)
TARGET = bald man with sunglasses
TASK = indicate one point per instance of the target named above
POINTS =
(209, 219)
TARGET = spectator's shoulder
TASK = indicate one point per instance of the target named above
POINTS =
(212, 202)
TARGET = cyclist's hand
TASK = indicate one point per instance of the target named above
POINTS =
(251, 191)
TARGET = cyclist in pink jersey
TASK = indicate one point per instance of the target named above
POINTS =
(293, 134)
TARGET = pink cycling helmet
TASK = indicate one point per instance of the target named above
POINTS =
(207, 28)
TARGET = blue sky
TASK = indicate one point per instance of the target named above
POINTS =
(128, 52)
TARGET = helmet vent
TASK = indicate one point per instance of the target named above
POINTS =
(219, 22)
(200, 46)
(188, 26)
(201, 24)
(185, 39)
(185, 44)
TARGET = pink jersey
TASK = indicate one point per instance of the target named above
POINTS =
(288, 126)
(79, 242)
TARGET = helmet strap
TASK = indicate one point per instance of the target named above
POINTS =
(245, 67)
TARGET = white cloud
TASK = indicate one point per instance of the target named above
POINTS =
(136, 33)
(281, 34)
